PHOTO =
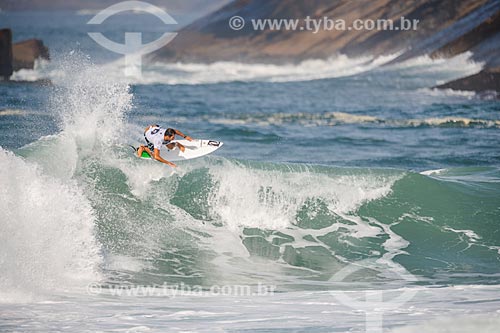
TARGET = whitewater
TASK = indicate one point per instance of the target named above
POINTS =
(348, 191)
(82, 218)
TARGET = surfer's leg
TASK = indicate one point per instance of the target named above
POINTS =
(140, 150)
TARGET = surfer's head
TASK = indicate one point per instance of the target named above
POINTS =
(169, 134)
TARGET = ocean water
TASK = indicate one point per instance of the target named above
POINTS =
(349, 195)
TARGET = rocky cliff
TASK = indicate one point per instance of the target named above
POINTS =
(5, 54)
(25, 53)
(19, 55)
(211, 39)
(486, 80)
(445, 28)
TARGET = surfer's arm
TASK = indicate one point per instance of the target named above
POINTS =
(157, 157)
(187, 137)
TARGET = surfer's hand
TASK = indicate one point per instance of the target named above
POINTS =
(187, 137)
(172, 165)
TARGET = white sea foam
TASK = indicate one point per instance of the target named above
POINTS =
(460, 324)
(271, 199)
(47, 238)
(430, 71)
(47, 233)
(198, 73)
(471, 235)
(124, 263)
(314, 69)
(43, 69)
(12, 112)
(336, 118)
(432, 172)
(449, 92)
(461, 63)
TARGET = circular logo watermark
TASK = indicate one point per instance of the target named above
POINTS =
(133, 49)
(374, 304)
(94, 288)
(236, 23)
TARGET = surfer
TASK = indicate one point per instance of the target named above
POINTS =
(156, 137)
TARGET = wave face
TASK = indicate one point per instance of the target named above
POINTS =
(79, 207)
(215, 219)
(225, 220)
(219, 219)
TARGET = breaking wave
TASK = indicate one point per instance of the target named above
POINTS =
(77, 206)
(337, 118)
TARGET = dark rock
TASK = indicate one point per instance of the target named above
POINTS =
(487, 29)
(441, 34)
(26, 52)
(39, 82)
(5, 54)
(210, 38)
(483, 42)
(486, 80)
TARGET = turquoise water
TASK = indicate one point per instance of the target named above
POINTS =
(324, 165)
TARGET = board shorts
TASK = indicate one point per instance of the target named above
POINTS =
(151, 146)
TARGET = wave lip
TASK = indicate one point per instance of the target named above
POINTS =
(258, 197)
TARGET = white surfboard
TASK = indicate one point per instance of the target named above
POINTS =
(194, 149)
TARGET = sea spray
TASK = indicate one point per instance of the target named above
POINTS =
(48, 236)
(91, 106)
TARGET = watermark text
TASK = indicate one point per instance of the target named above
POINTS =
(325, 23)
(181, 289)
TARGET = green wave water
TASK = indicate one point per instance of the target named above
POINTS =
(305, 219)
(222, 219)
(338, 178)
(219, 219)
